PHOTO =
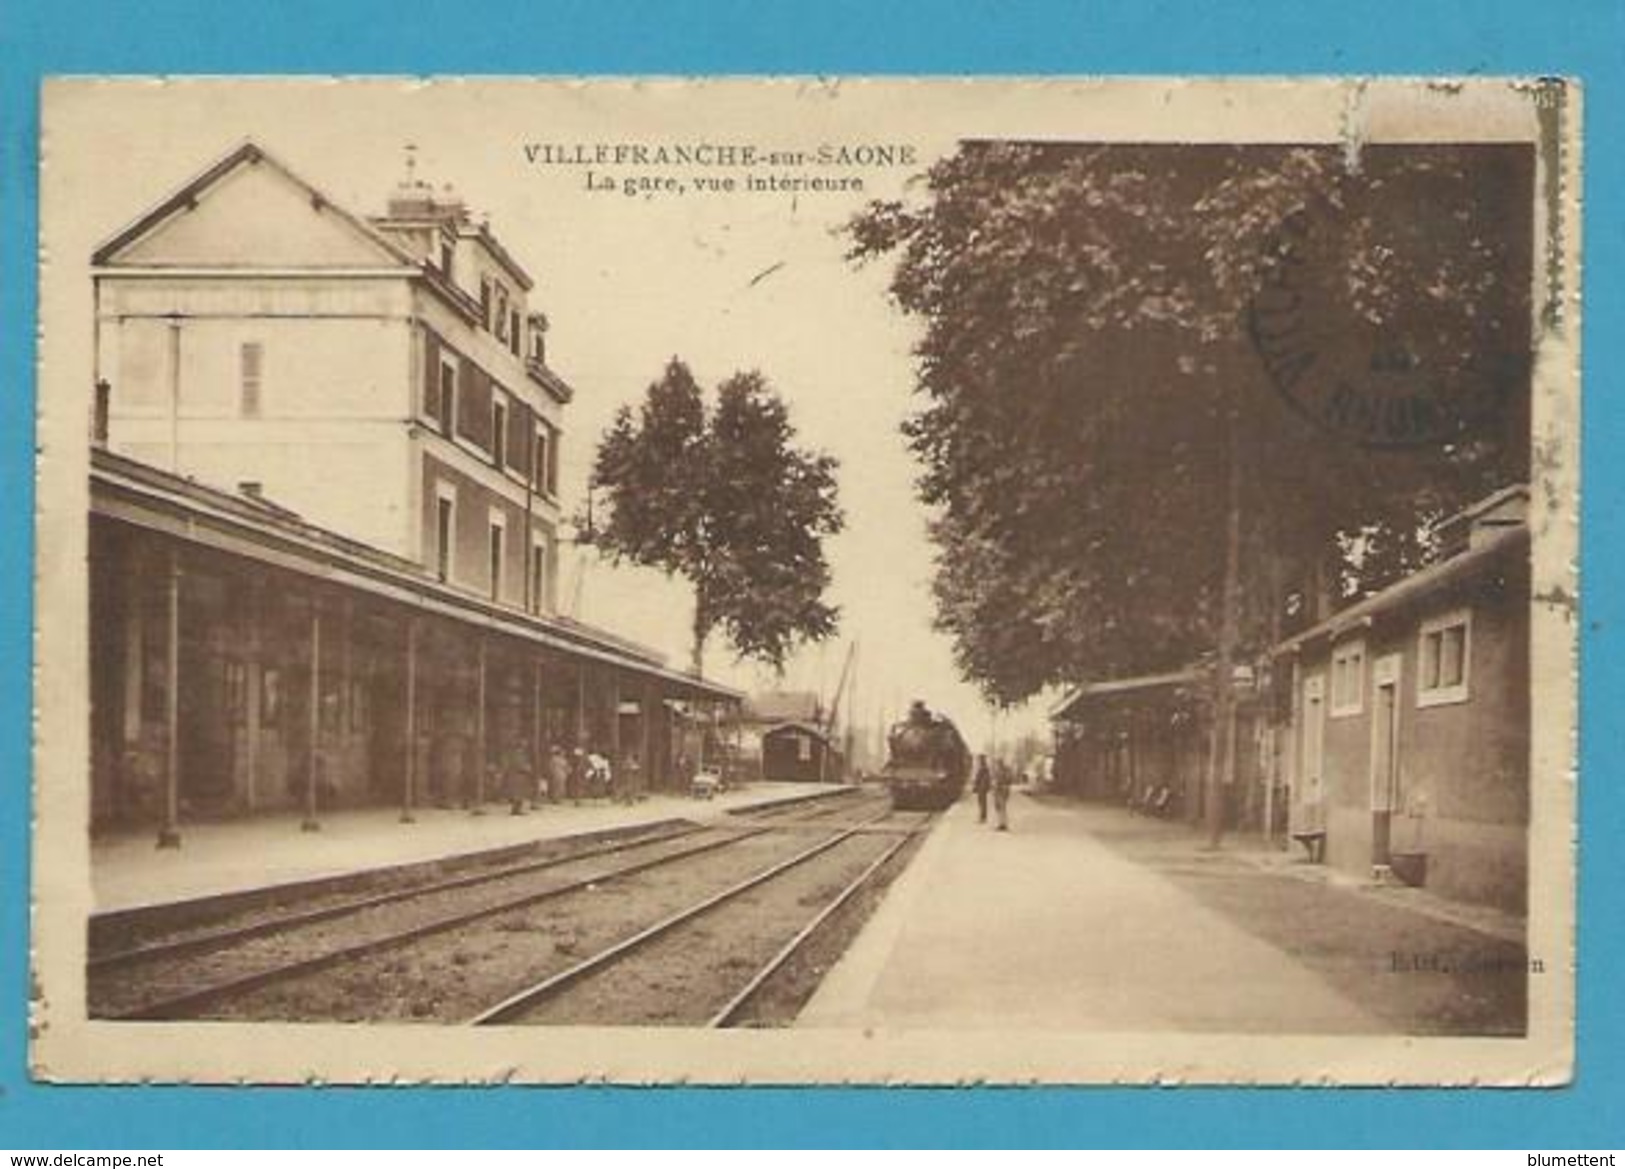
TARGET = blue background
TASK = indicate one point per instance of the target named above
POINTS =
(1569, 37)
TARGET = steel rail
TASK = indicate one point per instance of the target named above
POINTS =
(191, 1001)
(834, 795)
(219, 938)
(232, 935)
(729, 1013)
(518, 1003)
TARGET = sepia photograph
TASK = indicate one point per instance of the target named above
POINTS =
(807, 581)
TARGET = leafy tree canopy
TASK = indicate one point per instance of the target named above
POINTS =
(722, 497)
(1097, 317)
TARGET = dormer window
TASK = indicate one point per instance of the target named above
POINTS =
(502, 319)
(538, 338)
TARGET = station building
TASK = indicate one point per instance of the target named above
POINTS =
(800, 752)
(385, 378)
(1389, 740)
(1411, 717)
(1144, 741)
(1129, 738)
(325, 519)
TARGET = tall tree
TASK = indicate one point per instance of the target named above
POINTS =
(1132, 372)
(724, 499)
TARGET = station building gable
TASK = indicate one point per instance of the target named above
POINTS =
(249, 211)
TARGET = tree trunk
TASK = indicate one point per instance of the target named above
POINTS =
(1222, 755)
(702, 629)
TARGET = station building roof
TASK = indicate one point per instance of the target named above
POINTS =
(129, 492)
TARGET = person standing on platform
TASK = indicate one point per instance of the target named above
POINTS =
(1001, 798)
(558, 774)
(578, 775)
(600, 777)
(516, 773)
(982, 785)
(628, 779)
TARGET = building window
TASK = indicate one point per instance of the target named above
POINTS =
(1348, 679)
(538, 344)
(538, 459)
(485, 301)
(515, 333)
(101, 414)
(1443, 659)
(446, 406)
(538, 575)
(501, 324)
(445, 259)
(552, 461)
(498, 530)
(445, 529)
(251, 370)
(499, 432)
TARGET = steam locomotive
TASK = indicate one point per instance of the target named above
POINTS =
(927, 761)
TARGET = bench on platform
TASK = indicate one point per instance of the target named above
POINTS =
(1154, 801)
(1314, 842)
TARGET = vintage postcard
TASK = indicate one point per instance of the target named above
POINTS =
(810, 581)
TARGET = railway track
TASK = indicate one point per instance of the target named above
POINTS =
(205, 973)
(163, 944)
(698, 948)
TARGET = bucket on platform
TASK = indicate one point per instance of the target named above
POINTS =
(1410, 867)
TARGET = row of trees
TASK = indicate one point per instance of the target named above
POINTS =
(1161, 387)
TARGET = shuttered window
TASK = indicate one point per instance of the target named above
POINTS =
(539, 459)
(538, 576)
(499, 432)
(446, 406)
(251, 369)
(496, 561)
(444, 527)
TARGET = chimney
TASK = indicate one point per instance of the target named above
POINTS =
(101, 411)
(1472, 526)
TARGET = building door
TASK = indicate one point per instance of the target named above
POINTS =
(1312, 755)
(1384, 755)
(1314, 738)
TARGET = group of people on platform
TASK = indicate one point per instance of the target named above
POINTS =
(997, 781)
(574, 775)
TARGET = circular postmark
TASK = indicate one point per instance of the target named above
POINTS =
(1380, 348)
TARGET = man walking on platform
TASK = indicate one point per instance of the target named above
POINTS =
(1001, 798)
(981, 785)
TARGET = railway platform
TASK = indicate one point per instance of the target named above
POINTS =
(216, 859)
(1047, 927)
